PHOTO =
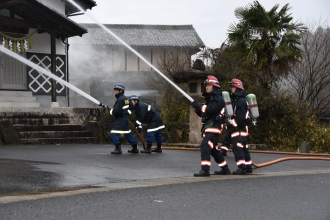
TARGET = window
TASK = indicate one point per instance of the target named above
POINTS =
(193, 87)
(202, 87)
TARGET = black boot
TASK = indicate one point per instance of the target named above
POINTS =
(158, 149)
(202, 173)
(134, 150)
(223, 171)
(239, 171)
(147, 150)
(117, 150)
(249, 169)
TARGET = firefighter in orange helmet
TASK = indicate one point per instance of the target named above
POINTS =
(237, 128)
(212, 114)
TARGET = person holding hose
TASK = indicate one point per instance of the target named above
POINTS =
(212, 114)
(237, 129)
(149, 115)
(121, 123)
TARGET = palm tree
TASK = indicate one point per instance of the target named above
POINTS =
(267, 38)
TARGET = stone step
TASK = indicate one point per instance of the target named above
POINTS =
(16, 93)
(73, 140)
(19, 104)
(17, 99)
(54, 134)
(39, 121)
(57, 127)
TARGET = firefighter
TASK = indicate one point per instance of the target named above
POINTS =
(146, 114)
(212, 113)
(225, 143)
(121, 124)
(237, 129)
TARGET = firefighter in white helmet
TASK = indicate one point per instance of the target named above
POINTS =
(212, 113)
(237, 129)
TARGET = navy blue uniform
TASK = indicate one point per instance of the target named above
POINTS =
(146, 114)
(121, 124)
(237, 132)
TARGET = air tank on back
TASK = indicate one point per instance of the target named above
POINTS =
(253, 106)
(229, 108)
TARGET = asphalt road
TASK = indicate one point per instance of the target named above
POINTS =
(87, 182)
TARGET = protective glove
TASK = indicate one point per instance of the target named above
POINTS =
(138, 127)
(195, 104)
(102, 105)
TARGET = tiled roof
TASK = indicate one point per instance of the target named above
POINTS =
(140, 35)
(37, 15)
(85, 4)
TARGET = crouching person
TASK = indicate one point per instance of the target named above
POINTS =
(146, 114)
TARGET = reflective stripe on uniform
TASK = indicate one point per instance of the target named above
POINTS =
(129, 111)
(213, 130)
(240, 145)
(156, 129)
(247, 116)
(137, 122)
(125, 106)
(248, 162)
(222, 112)
(210, 144)
(203, 109)
(240, 162)
(206, 163)
(222, 164)
(120, 132)
(149, 107)
(239, 133)
(233, 122)
(111, 110)
(224, 148)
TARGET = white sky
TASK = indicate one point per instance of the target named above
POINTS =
(210, 18)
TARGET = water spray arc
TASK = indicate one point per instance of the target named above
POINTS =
(48, 73)
(51, 75)
(134, 51)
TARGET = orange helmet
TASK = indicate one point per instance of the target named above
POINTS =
(212, 80)
(236, 83)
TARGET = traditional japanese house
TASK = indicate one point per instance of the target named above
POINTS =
(98, 60)
(38, 31)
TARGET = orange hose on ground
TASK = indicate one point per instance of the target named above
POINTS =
(287, 158)
(316, 156)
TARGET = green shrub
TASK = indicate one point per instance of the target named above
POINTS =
(284, 124)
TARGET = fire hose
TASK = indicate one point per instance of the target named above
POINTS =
(130, 123)
(269, 162)
(138, 134)
(285, 159)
